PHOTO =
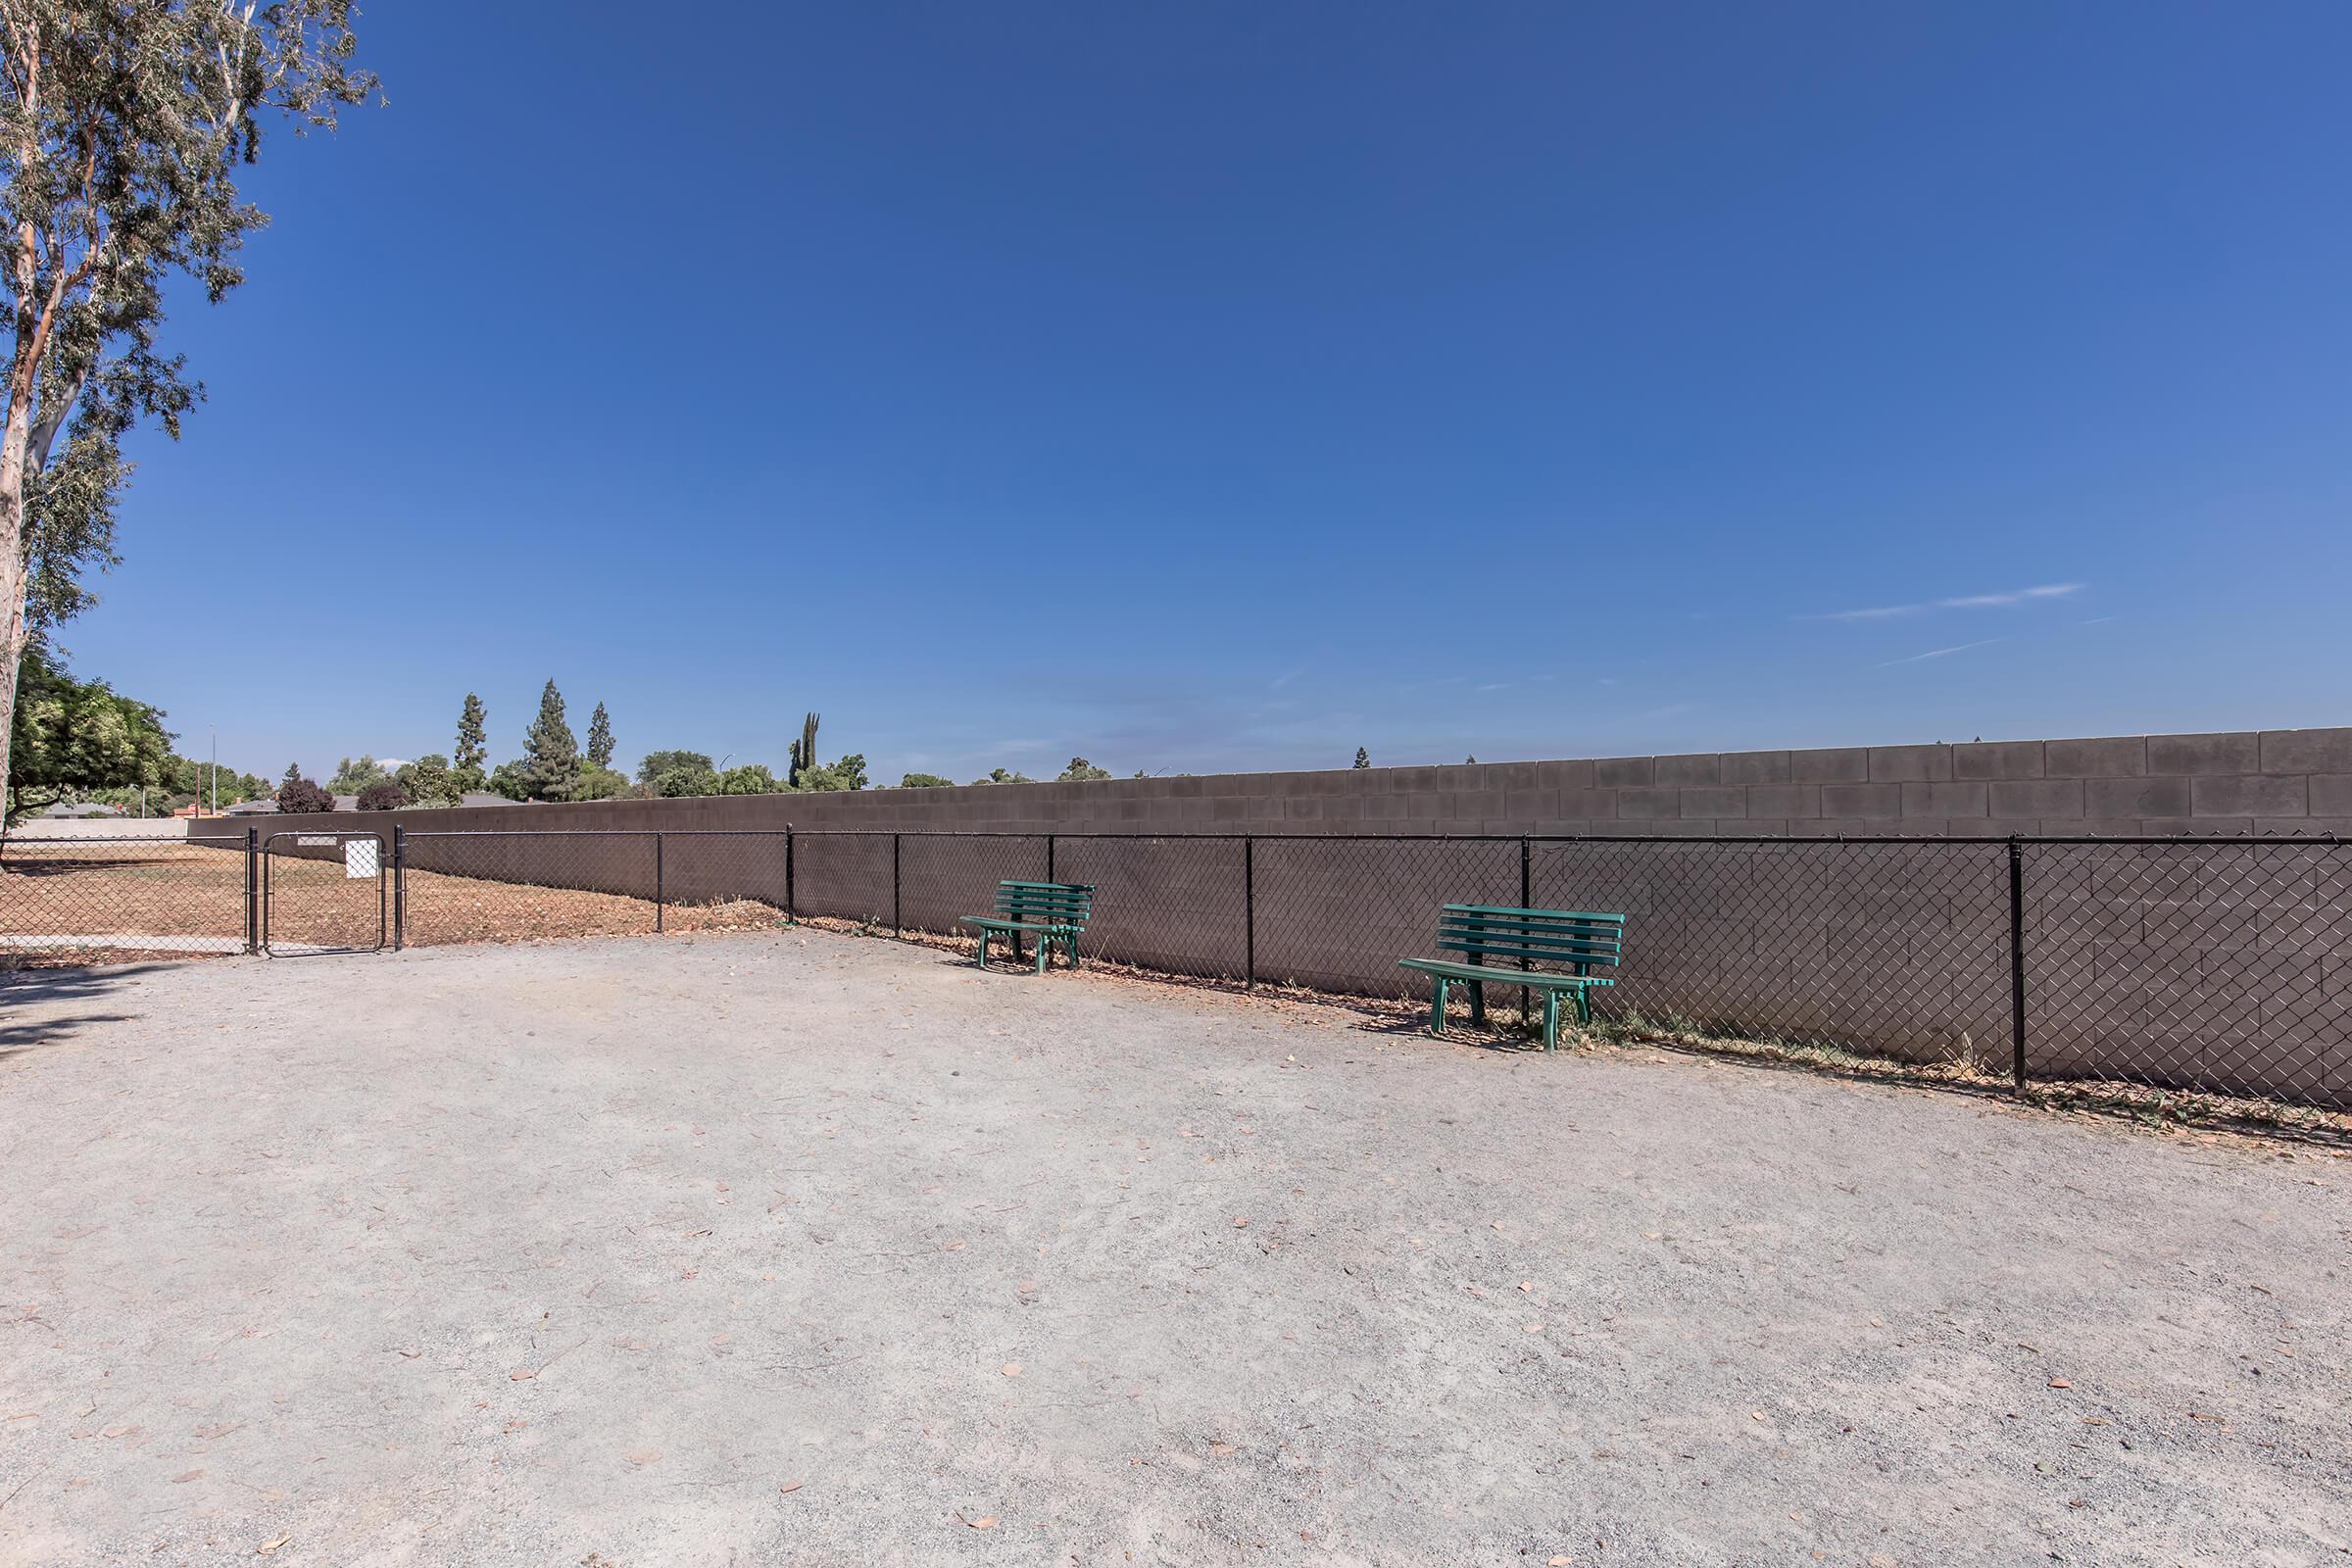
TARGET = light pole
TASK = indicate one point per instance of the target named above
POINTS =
(216, 729)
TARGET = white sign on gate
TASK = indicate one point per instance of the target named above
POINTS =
(359, 858)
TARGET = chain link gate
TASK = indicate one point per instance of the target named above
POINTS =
(323, 891)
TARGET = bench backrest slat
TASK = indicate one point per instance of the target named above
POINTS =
(1582, 939)
(1069, 903)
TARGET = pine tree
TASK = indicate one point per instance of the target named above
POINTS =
(293, 773)
(473, 752)
(551, 755)
(1364, 758)
(600, 738)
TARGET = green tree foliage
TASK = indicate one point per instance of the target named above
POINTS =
(473, 749)
(602, 784)
(1364, 758)
(1082, 772)
(551, 755)
(382, 795)
(126, 127)
(656, 763)
(292, 775)
(70, 738)
(1000, 775)
(926, 781)
(298, 795)
(686, 778)
(600, 738)
(427, 781)
(803, 753)
(352, 778)
(847, 774)
(750, 778)
(509, 781)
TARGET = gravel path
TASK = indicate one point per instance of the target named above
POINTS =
(788, 1247)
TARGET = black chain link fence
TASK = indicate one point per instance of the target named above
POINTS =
(90, 899)
(2214, 965)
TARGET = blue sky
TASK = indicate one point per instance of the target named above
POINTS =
(1227, 387)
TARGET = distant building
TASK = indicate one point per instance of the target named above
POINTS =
(79, 809)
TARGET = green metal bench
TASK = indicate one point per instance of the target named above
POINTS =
(1563, 937)
(1056, 912)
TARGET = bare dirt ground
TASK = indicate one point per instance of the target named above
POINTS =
(65, 903)
(795, 1248)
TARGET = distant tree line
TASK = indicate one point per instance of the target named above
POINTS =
(74, 741)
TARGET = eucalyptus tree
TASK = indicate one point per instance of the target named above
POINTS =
(124, 123)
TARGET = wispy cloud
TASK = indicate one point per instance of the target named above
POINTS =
(1937, 653)
(2096, 620)
(2001, 600)
(1495, 686)
(1284, 678)
(1430, 685)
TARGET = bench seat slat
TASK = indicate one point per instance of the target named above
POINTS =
(1609, 962)
(1533, 979)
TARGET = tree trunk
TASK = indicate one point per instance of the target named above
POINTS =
(12, 443)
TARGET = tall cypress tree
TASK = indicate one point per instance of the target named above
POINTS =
(551, 755)
(474, 751)
(600, 738)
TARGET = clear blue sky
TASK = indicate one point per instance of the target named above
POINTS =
(1526, 380)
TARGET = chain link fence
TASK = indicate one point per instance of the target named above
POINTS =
(2214, 965)
(116, 900)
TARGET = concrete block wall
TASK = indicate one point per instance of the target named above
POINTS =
(2258, 782)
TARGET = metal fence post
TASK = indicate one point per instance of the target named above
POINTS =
(789, 917)
(400, 883)
(658, 889)
(1525, 902)
(897, 928)
(2016, 962)
(1250, 911)
(253, 889)
(1049, 862)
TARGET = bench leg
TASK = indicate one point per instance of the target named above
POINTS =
(982, 959)
(1070, 946)
(1584, 1006)
(1014, 937)
(1551, 1020)
(1436, 1008)
(1045, 952)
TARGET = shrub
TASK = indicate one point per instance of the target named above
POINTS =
(602, 784)
(752, 778)
(847, 774)
(383, 795)
(299, 795)
(427, 781)
(926, 781)
(509, 781)
(686, 779)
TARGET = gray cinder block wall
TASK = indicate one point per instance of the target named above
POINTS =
(2248, 781)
